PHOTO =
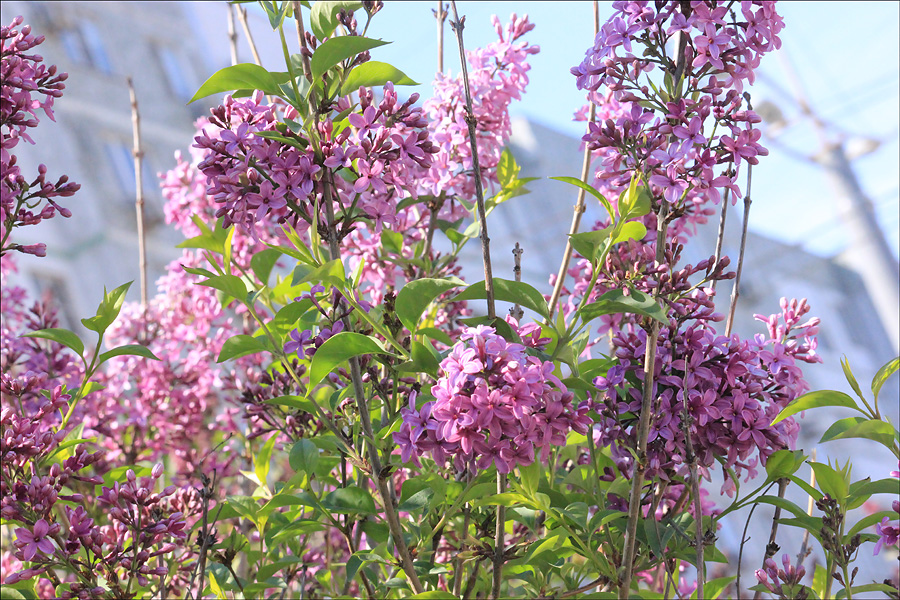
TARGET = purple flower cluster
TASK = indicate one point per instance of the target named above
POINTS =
(27, 85)
(784, 583)
(730, 388)
(494, 404)
(498, 74)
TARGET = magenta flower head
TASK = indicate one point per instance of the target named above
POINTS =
(494, 404)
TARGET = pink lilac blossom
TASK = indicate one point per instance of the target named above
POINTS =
(889, 530)
(494, 404)
(498, 74)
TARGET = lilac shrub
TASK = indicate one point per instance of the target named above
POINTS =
(329, 414)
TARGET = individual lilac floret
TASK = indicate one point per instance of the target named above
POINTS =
(494, 404)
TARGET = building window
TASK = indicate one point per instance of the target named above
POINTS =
(84, 45)
(121, 160)
(176, 71)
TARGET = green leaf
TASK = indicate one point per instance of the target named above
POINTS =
(128, 350)
(304, 457)
(418, 501)
(831, 481)
(507, 169)
(508, 291)
(373, 74)
(108, 310)
(263, 460)
(590, 190)
(783, 463)
(359, 560)
(323, 16)
(857, 590)
(241, 345)
(244, 76)
(331, 273)
(858, 427)
(434, 595)
(615, 301)
(23, 590)
(333, 51)
(349, 500)
(414, 297)
(294, 402)
(632, 230)
(884, 374)
(423, 361)
(870, 520)
(635, 201)
(845, 365)
(336, 350)
(504, 499)
(714, 587)
(263, 262)
(60, 336)
(590, 244)
(815, 400)
(232, 285)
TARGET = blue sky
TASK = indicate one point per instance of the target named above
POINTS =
(846, 56)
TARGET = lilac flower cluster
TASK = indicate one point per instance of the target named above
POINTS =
(784, 583)
(27, 85)
(731, 389)
(498, 74)
(678, 142)
(494, 404)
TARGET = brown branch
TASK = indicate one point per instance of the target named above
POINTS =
(381, 478)
(138, 155)
(499, 539)
(735, 290)
(440, 15)
(804, 546)
(457, 25)
(242, 17)
(232, 35)
(579, 203)
(643, 432)
(516, 311)
(301, 36)
(720, 236)
(771, 547)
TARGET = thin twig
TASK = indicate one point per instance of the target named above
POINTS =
(771, 547)
(457, 25)
(301, 36)
(736, 288)
(499, 539)
(138, 155)
(242, 17)
(232, 35)
(205, 493)
(744, 540)
(516, 311)
(381, 478)
(643, 432)
(804, 546)
(699, 533)
(579, 203)
(720, 236)
(440, 15)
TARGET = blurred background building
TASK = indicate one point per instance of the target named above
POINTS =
(169, 48)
